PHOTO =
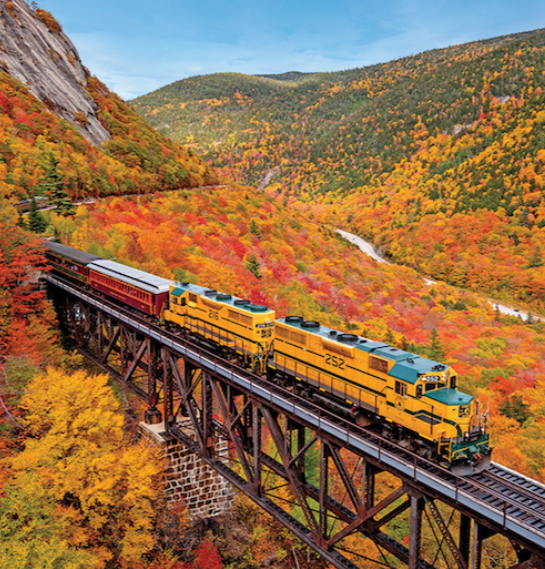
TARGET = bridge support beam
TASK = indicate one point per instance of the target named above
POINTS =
(417, 507)
(465, 538)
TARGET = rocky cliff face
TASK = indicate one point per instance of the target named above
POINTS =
(34, 49)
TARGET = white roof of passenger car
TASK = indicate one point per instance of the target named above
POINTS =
(136, 277)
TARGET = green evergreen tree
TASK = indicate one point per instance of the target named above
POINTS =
(389, 337)
(252, 265)
(414, 349)
(52, 184)
(515, 408)
(56, 236)
(255, 229)
(537, 258)
(21, 221)
(436, 349)
(36, 222)
(497, 313)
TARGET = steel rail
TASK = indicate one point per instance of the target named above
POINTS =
(504, 485)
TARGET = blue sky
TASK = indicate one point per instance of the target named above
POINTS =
(140, 45)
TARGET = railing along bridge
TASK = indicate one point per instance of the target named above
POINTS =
(364, 485)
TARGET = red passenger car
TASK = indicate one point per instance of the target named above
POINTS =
(143, 291)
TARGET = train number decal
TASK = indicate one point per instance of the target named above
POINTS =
(334, 361)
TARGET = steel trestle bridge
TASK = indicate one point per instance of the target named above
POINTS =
(359, 485)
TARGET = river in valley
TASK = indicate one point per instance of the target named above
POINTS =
(368, 249)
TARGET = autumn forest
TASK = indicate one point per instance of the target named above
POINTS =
(239, 183)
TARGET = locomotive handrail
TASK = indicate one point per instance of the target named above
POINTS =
(407, 464)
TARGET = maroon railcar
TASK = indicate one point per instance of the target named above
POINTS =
(143, 291)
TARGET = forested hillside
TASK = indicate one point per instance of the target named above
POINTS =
(439, 158)
(135, 160)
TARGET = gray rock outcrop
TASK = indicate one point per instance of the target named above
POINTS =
(34, 50)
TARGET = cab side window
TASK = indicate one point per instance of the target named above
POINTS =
(453, 382)
(419, 391)
(401, 388)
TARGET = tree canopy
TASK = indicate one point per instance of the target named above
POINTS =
(97, 488)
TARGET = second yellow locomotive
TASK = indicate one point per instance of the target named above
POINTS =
(411, 399)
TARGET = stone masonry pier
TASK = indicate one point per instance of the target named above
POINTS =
(203, 491)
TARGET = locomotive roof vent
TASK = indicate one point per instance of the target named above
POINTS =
(294, 319)
(257, 307)
(333, 332)
(310, 324)
(185, 283)
(223, 297)
(363, 341)
(241, 302)
(210, 292)
(348, 338)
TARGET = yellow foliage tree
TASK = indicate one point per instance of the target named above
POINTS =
(79, 450)
(37, 532)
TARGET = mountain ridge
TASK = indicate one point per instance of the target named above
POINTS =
(53, 111)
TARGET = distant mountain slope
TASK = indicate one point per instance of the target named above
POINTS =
(439, 158)
(287, 76)
(336, 131)
(49, 104)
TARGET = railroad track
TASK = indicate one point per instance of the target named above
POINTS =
(519, 496)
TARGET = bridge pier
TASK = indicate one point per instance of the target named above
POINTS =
(186, 477)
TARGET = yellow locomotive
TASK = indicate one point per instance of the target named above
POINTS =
(409, 398)
(242, 329)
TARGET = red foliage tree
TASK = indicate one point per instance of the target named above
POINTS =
(207, 556)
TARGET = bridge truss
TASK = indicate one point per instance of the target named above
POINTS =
(330, 482)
